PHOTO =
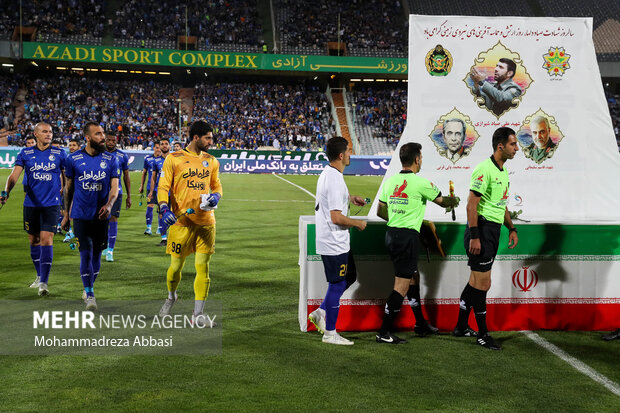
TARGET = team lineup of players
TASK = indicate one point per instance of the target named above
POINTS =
(184, 186)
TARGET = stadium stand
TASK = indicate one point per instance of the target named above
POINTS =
(370, 28)
(252, 115)
(380, 117)
(138, 111)
(215, 23)
(68, 20)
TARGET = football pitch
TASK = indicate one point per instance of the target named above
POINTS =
(266, 363)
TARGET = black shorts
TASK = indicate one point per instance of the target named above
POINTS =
(37, 219)
(116, 208)
(404, 247)
(339, 267)
(489, 240)
(91, 234)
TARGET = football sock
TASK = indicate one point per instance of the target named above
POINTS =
(413, 294)
(172, 295)
(392, 308)
(35, 254)
(173, 276)
(96, 264)
(202, 280)
(45, 263)
(149, 216)
(112, 231)
(86, 270)
(480, 310)
(160, 226)
(332, 303)
(465, 304)
(199, 306)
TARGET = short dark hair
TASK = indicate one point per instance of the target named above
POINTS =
(200, 128)
(30, 137)
(501, 136)
(87, 126)
(510, 65)
(76, 140)
(163, 139)
(336, 146)
(408, 153)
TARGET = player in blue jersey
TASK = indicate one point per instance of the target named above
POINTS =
(43, 166)
(123, 163)
(147, 173)
(74, 145)
(158, 164)
(90, 193)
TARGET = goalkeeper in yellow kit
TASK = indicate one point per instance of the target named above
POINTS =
(190, 181)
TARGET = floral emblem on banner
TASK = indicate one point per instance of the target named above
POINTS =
(438, 61)
(556, 61)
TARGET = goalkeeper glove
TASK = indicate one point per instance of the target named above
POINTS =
(167, 215)
(213, 199)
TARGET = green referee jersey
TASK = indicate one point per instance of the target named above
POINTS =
(405, 195)
(491, 183)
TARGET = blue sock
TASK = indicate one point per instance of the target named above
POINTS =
(149, 216)
(60, 217)
(45, 265)
(96, 262)
(332, 303)
(112, 231)
(35, 254)
(86, 271)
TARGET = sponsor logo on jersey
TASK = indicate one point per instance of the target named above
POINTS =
(205, 164)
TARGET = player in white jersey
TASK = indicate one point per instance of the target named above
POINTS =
(332, 237)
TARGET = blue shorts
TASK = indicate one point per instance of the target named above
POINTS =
(37, 219)
(339, 267)
(91, 234)
(116, 208)
(153, 200)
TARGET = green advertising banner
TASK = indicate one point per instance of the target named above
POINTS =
(217, 60)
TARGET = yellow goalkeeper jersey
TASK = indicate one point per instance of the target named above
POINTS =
(188, 175)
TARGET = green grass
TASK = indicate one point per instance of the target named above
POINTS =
(267, 364)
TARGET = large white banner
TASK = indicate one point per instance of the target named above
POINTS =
(462, 88)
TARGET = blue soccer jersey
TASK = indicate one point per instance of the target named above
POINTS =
(91, 181)
(148, 165)
(42, 170)
(123, 164)
(158, 165)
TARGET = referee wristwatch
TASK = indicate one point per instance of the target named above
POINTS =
(513, 229)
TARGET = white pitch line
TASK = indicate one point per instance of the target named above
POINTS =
(303, 189)
(575, 363)
(268, 200)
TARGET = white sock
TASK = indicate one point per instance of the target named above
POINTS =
(329, 332)
(199, 306)
(172, 295)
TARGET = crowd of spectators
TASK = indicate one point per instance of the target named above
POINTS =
(251, 115)
(384, 110)
(368, 24)
(62, 17)
(213, 21)
(138, 112)
(613, 102)
(8, 87)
